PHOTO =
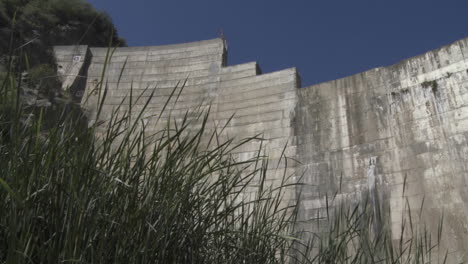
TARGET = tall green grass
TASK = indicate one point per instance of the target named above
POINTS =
(68, 196)
(349, 235)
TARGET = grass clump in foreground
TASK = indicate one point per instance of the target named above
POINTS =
(67, 197)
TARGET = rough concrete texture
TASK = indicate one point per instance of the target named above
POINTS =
(72, 65)
(373, 130)
(396, 135)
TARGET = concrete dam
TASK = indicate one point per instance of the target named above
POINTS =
(397, 135)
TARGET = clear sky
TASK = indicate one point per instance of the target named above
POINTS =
(324, 39)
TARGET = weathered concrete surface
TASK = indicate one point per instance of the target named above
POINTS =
(72, 64)
(362, 137)
(261, 104)
(372, 130)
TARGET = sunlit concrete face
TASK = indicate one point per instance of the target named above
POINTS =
(363, 137)
(396, 135)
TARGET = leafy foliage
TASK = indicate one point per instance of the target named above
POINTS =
(39, 24)
(29, 29)
(42, 77)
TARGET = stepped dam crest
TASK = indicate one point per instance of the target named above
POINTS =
(396, 136)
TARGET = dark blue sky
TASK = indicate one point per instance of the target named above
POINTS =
(324, 39)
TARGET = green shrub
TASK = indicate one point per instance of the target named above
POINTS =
(34, 26)
(3, 76)
(44, 78)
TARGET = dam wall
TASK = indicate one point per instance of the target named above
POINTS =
(396, 136)
(189, 76)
